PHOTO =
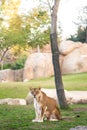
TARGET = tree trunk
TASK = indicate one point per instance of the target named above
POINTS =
(55, 57)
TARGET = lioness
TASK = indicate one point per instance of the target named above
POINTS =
(45, 107)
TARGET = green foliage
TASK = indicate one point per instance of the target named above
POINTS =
(19, 63)
(80, 36)
(11, 31)
(39, 38)
(11, 28)
(30, 29)
(10, 38)
(39, 29)
(6, 66)
(81, 22)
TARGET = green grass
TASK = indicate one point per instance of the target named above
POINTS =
(75, 81)
(20, 89)
(20, 118)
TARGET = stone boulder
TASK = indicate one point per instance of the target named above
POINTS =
(38, 65)
(67, 47)
(76, 61)
(73, 59)
(6, 75)
(11, 101)
(79, 128)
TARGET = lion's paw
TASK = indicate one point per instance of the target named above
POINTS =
(34, 120)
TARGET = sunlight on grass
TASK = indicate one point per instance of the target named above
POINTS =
(21, 89)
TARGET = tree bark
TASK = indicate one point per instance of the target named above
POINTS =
(55, 57)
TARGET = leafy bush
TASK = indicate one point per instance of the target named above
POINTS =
(6, 66)
(19, 63)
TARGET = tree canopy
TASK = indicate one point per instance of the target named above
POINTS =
(22, 29)
(81, 34)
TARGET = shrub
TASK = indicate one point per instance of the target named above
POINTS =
(19, 63)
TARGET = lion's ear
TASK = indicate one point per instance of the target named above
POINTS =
(39, 88)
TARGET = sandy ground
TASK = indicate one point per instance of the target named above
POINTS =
(71, 96)
(74, 94)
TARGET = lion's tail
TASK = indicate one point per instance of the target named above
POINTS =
(69, 117)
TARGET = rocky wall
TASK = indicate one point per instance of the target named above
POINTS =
(11, 75)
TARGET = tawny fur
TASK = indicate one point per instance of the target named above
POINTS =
(45, 107)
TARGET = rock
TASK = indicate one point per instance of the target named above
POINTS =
(29, 99)
(38, 65)
(17, 101)
(25, 80)
(4, 101)
(11, 101)
(73, 59)
(76, 97)
(6, 75)
(79, 128)
(46, 48)
(67, 47)
(76, 61)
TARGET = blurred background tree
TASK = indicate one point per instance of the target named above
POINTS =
(20, 31)
(11, 31)
(81, 34)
